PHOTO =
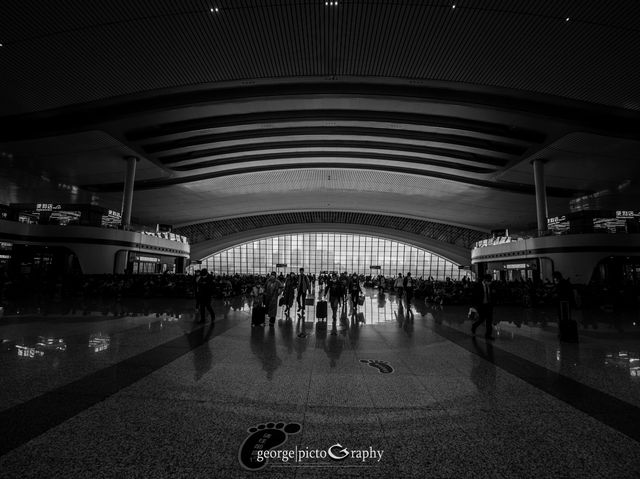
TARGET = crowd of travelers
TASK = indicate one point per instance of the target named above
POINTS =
(525, 293)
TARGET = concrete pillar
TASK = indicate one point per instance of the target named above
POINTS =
(541, 195)
(127, 194)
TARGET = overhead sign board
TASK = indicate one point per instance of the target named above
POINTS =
(627, 214)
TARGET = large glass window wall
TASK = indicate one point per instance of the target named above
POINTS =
(328, 252)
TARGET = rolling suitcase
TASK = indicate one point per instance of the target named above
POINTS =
(567, 327)
(321, 310)
(257, 315)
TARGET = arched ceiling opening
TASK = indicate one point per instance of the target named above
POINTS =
(345, 249)
(448, 241)
(256, 108)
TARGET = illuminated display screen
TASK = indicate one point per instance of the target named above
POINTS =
(609, 225)
(112, 219)
(99, 342)
(65, 218)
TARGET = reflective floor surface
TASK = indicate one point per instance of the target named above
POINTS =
(140, 389)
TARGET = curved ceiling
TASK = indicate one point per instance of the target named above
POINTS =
(246, 107)
(451, 242)
(101, 50)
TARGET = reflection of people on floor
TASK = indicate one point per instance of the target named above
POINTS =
(264, 347)
(483, 370)
(569, 357)
(382, 300)
(400, 314)
(321, 334)
(408, 323)
(589, 318)
(287, 336)
(354, 334)
(300, 343)
(201, 349)
(344, 317)
(333, 347)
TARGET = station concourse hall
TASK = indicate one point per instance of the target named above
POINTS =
(308, 239)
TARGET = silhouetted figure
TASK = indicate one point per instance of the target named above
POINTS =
(355, 290)
(408, 286)
(483, 300)
(202, 357)
(272, 290)
(289, 292)
(399, 285)
(204, 293)
(304, 286)
(336, 293)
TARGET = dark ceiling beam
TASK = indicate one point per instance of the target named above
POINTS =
(583, 115)
(352, 131)
(352, 144)
(311, 156)
(464, 125)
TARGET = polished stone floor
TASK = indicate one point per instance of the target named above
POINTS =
(139, 389)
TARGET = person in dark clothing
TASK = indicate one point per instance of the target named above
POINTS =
(564, 292)
(336, 293)
(272, 289)
(355, 290)
(304, 286)
(204, 292)
(408, 286)
(483, 300)
(289, 292)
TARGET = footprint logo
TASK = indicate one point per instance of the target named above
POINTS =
(262, 438)
(382, 366)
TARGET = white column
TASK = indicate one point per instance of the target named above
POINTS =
(541, 195)
(127, 194)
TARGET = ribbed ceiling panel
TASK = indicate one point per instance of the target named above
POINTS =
(98, 50)
(457, 235)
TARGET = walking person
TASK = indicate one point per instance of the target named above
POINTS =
(355, 290)
(304, 286)
(336, 293)
(399, 285)
(408, 286)
(483, 300)
(289, 292)
(204, 293)
(272, 289)
(567, 327)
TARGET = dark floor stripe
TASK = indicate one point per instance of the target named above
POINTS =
(613, 412)
(23, 422)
